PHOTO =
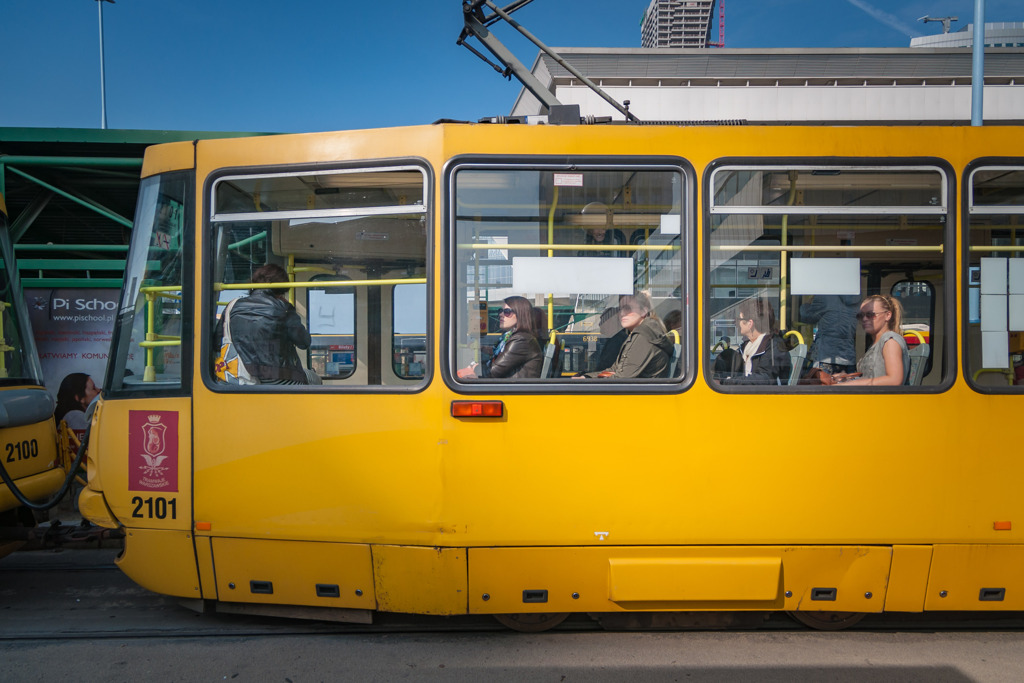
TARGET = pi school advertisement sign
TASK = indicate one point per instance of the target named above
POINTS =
(72, 328)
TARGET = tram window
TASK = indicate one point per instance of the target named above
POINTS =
(147, 349)
(799, 247)
(562, 246)
(346, 237)
(995, 278)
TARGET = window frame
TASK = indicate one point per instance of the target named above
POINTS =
(123, 321)
(318, 168)
(573, 164)
(948, 187)
(967, 181)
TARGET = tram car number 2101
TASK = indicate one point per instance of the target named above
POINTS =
(155, 507)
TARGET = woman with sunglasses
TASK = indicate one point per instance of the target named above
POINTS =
(763, 357)
(517, 354)
(646, 351)
(887, 362)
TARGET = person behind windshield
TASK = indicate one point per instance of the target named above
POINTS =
(646, 351)
(887, 361)
(265, 329)
(763, 357)
(601, 235)
(517, 354)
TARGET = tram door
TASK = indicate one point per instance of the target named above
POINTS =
(302, 456)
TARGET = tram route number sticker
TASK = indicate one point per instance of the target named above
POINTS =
(153, 450)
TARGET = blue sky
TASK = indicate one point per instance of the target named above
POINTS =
(309, 65)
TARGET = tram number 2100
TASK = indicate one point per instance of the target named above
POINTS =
(21, 450)
(155, 507)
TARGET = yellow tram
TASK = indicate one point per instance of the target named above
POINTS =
(31, 469)
(391, 482)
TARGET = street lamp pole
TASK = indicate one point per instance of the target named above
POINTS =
(103, 86)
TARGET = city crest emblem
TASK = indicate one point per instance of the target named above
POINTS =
(153, 450)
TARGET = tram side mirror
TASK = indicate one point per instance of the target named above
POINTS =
(918, 300)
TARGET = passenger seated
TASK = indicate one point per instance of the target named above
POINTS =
(887, 361)
(614, 335)
(674, 320)
(763, 358)
(646, 351)
(517, 354)
(605, 235)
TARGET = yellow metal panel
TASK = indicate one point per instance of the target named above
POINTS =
(696, 578)
(578, 579)
(161, 561)
(174, 156)
(420, 580)
(857, 573)
(138, 507)
(37, 487)
(204, 561)
(37, 476)
(908, 578)
(961, 575)
(293, 570)
(94, 508)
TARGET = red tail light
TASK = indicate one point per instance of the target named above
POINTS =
(478, 409)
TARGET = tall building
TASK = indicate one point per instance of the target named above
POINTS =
(677, 23)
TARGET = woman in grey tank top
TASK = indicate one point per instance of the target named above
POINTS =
(887, 362)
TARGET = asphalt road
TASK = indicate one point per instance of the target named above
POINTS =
(70, 616)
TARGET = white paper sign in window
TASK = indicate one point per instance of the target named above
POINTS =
(572, 275)
(824, 276)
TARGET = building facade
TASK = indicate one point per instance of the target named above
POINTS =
(997, 34)
(895, 86)
(677, 23)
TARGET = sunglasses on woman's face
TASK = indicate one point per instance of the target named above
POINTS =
(507, 312)
(869, 315)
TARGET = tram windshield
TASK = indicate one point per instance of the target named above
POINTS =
(563, 253)
(19, 361)
(147, 349)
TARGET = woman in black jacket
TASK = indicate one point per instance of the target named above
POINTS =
(763, 358)
(266, 329)
(517, 354)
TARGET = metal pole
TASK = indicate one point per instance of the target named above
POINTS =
(978, 65)
(561, 62)
(103, 86)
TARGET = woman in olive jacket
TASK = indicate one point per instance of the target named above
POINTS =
(517, 354)
(647, 351)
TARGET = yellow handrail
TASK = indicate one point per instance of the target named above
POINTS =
(984, 371)
(675, 334)
(799, 337)
(915, 333)
(319, 284)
